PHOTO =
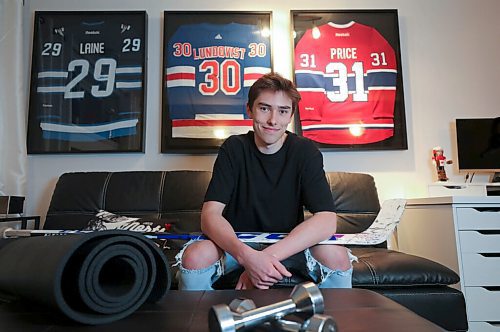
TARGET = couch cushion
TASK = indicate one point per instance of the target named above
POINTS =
(185, 190)
(356, 199)
(134, 192)
(444, 306)
(79, 192)
(176, 196)
(379, 267)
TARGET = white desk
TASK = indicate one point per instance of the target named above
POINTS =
(462, 233)
(440, 189)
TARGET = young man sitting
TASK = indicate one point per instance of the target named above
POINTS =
(261, 182)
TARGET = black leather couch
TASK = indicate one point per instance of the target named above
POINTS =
(175, 197)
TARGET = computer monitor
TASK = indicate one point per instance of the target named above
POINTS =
(478, 145)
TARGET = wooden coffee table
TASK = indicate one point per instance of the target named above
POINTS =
(352, 309)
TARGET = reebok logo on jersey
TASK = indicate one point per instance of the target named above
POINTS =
(218, 36)
(342, 34)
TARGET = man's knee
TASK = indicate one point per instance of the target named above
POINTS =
(200, 254)
(333, 256)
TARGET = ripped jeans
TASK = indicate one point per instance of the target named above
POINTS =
(203, 279)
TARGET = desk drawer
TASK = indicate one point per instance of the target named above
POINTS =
(482, 304)
(484, 327)
(442, 189)
(481, 270)
(477, 242)
(474, 219)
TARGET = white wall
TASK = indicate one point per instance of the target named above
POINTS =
(450, 58)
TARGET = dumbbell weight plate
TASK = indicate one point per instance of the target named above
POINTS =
(319, 323)
(221, 316)
(240, 305)
(308, 299)
(221, 319)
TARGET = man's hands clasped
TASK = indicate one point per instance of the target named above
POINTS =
(262, 270)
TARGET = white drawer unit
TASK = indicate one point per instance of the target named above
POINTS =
(481, 270)
(473, 218)
(479, 241)
(481, 304)
(484, 327)
(441, 189)
(444, 189)
(463, 233)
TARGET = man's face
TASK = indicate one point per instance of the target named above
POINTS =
(271, 114)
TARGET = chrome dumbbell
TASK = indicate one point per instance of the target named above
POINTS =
(305, 301)
(317, 323)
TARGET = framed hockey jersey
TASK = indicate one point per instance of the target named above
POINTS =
(210, 60)
(87, 91)
(347, 68)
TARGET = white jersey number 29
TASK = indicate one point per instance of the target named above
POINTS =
(104, 71)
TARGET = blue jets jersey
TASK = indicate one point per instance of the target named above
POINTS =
(209, 69)
(87, 81)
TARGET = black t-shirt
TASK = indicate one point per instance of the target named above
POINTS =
(268, 192)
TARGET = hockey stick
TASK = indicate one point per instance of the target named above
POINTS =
(379, 231)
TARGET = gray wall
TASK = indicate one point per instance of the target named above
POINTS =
(450, 57)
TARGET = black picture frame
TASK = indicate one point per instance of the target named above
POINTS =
(199, 112)
(333, 111)
(88, 82)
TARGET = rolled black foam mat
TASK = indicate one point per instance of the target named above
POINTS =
(92, 278)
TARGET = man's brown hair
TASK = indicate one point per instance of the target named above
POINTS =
(274, 82)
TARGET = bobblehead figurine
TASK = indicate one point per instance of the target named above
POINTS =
(439, 161)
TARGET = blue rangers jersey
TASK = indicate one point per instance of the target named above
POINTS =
(87, 81)
(209, 69)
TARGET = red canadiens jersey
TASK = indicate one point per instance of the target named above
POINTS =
(347, 80)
